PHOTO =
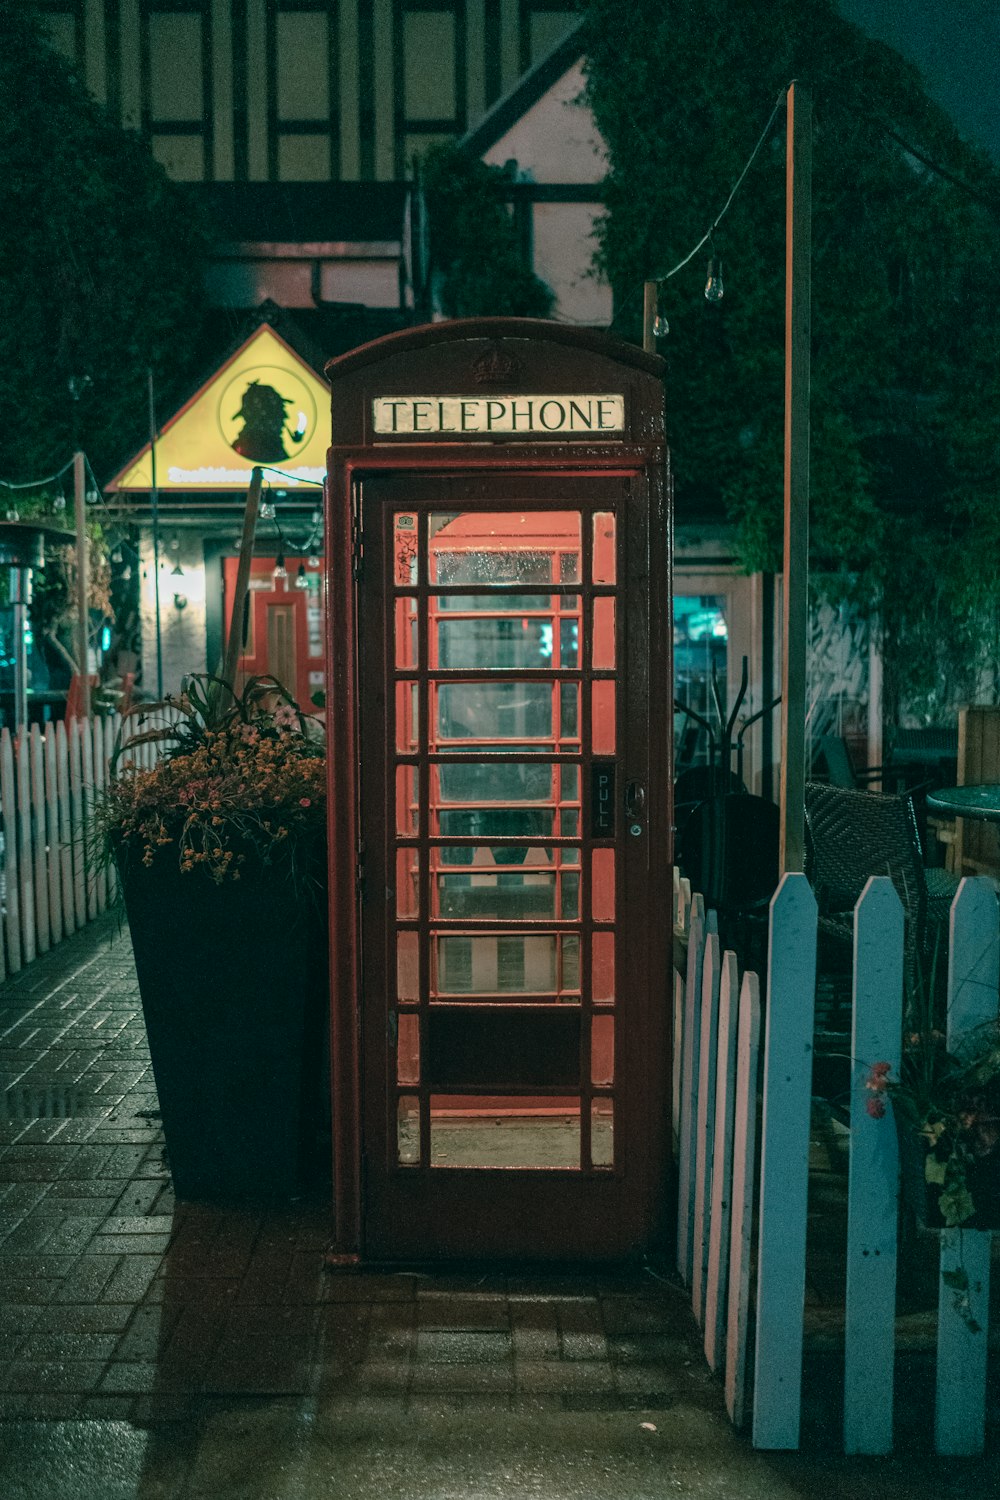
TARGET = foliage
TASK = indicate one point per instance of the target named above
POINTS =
(100, 265)
(905, 383)
(477, 265)
(952, 1101)
(241, 776)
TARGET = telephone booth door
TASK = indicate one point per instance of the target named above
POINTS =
(513, 872)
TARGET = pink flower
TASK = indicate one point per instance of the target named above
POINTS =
(305, 802)
(285, 717)
(875, 1106)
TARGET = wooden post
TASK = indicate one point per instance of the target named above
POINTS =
(234, 641)
(649, 289)
(795, 596)
(82, 580)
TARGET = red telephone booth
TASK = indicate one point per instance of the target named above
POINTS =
(499, 661)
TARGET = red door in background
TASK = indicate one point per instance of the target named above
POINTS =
(284, 627)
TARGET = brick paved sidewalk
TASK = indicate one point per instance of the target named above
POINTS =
(155, 1349)
(118, 1302)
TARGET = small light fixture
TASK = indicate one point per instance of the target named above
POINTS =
(661, 326)
(713, 285)
(267, 510)
(180, 601)
(177, 571)
(301, 581)
(312, 560)
(280, 571)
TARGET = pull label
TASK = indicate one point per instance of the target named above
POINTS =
(602, 799)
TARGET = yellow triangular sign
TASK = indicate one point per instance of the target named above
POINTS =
(264, 407)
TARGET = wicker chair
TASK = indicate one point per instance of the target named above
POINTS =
(852, 835)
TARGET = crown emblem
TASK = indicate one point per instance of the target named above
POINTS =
(495, 367)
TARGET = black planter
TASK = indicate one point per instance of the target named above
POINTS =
(234, 995)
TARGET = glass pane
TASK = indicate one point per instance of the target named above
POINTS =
(498, 547)
(522, 1132)
(602, 717)
(498, 822)
(407, 717)
(495, 604)
(700, 645)
(602, 983)
(604, 547)
(407, 1048)
(523, 641)
(602, 888)
(407, 967)
(602, 1132)
(504, 711)
(406, 632)
(569, 823)
(495, 781)
(569, 640)
(407, 798)
(527, 885)
(408, 1130)
(506, 964)
(569, 710)
(602, 1049)
(570, 777)
(604, 635)
(405, 562)
(407, 882)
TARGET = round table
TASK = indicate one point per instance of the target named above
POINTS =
(967, 802)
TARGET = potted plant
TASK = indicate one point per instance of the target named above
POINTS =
(220, 852)
(947, 1111)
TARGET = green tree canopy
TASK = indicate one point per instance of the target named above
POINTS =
(100, 266)
(476, 259)
(906, 323)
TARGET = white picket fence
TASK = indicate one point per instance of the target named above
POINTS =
(51, 883)
(727, 1085)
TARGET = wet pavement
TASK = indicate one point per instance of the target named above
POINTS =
(156, 1349)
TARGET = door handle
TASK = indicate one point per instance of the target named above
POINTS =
(635, 799)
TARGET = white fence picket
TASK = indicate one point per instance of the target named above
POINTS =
(741, 1235)
(677, 1054)
(973, 975)
(99, 874)
(37, 775)
(722, 1164)
(53, 858)
(874, 1172)
(25, 851)
(111, 725)
(689, 1087)
(65, 828)
(784, 1181)
(87, 749)
(78, 811)
(705, 1117)
(12, 883)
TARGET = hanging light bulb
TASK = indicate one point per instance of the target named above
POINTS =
(126, 573)
(267, 510)
(116, 555)
(312, 560)
(713, 286)
(280, 571)
(301, 581)
(661, 326)
(13, 514)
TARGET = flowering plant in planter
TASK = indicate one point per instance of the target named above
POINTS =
(219, 848)
(240, 775)
(949, 1103)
